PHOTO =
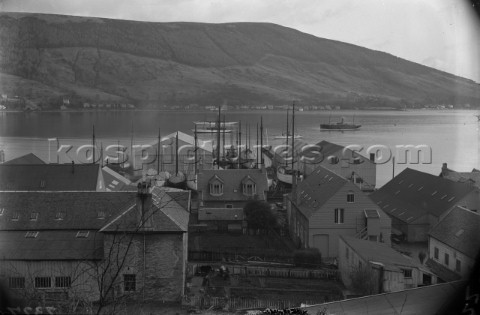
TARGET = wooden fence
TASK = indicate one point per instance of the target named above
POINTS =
(241, 303)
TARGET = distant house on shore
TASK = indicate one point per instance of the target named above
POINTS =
(58, 246)
(326, 206)
(51, 177)
(454, 243)
(416, 201)
(29, 158)
(389, 270)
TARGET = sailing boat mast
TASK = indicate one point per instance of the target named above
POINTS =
(239, 142)
(196, 146)
(176, 154)
(286, 158)
(256, 152)
(261, 140)
(218, 137)
(223, 141)
(158, 152)
(93, 145)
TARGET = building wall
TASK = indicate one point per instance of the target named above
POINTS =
(322, 222)
(157, 260)
(82, 274)
(466, 262)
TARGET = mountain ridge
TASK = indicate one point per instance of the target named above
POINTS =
(182, 63)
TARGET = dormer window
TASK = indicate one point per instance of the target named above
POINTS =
(216, 186)
(249, 187)
(2, 210)
(101, 215)
(15, 216)
(43, 183)
(33, 216)
(59, 215)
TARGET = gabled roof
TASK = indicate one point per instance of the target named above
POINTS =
(49, 177)
(441, 271)
(116, 182)
(29, 158)
(460, 230)
(167, 215)
(329, 148)
(51, 245)
(184, 139)
(316, 189)
(80, 209)
(379, 253)
(413, 194)
(232, 183)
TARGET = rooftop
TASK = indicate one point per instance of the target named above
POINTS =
(49, 177)
(29, 158)
(413, 194)
(471, 178)
(459, 229)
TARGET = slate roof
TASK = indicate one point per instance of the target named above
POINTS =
(441, 271)
(29, 158)
(81, 209)
(431, 299)
(232, 179)
(413, 194)
(168, 215)
(380, 253)
(471, 178)
(459, 229)
(49, 177)
(316, 189)
(50, 245)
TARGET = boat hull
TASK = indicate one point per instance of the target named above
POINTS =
(338, 127)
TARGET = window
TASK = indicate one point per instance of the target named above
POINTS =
(16, 283)
(216, 189)
(33, 216)
(249, 189)
(43, 282)
(447, 259)
(129, 282)
(435, 253)
(59, 215)
(458, 266)
(63, 282)
(31, 234)
(82, 234)
(15, 216)
(339, 215)
(407, 273)
(350, 197)
(43, 183)
(229, 206)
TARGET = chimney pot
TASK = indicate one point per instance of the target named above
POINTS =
(73, 167)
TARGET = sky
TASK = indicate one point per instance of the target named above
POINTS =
(444, 34)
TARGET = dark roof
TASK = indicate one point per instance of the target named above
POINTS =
(316, 189)
(81, 209)
(50, 245)
(167, 215)
(471, 178)
(441, 271)
(329, 148)
(29, 158)
(424, 300)
(459, 229)
(413, 194)
(49, 177)
(232, 179)
(380, 253)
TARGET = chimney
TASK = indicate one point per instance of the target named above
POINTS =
(144, 206)
(73, 167)
(444, 169)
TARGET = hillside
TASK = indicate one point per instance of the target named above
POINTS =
(46, 57)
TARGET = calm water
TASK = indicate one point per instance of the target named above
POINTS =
(453, 135)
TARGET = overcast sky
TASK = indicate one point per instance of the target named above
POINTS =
(444, 34)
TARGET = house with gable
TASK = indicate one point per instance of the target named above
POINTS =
(391, 271)
(325, 206)
(222, 194)
(454, 244)
(29, 158)
(56, 246)
(51, 177)
(416, 201)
